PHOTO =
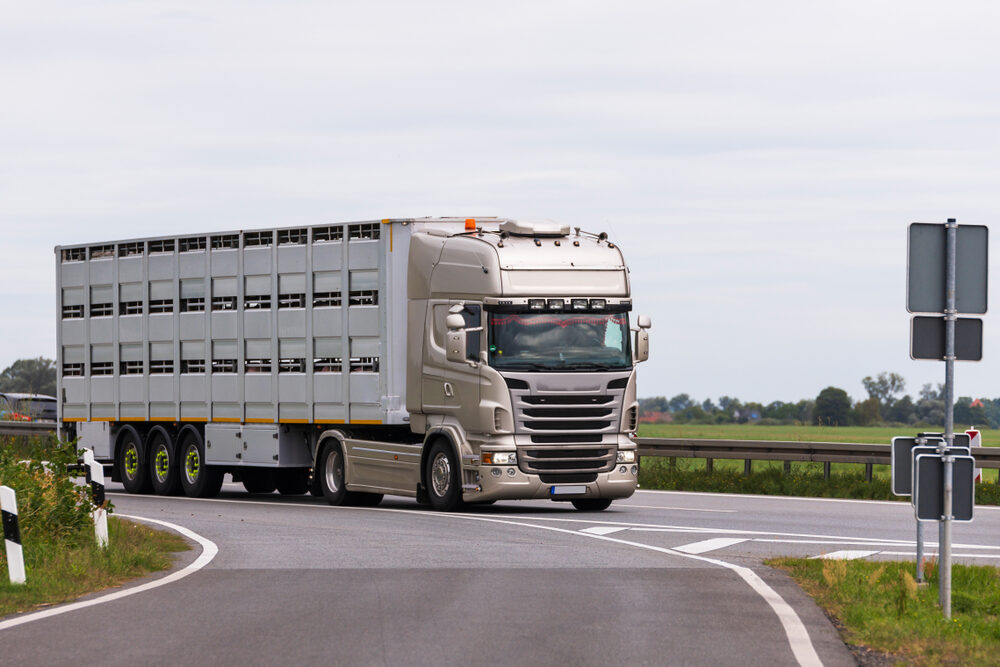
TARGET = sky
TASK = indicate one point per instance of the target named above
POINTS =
(758, 163)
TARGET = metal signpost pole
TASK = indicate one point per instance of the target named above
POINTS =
(950, 313)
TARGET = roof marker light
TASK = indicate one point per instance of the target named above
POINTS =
(470, 224)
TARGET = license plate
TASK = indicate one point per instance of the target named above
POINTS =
(567, 490)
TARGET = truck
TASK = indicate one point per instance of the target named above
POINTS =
(457, 361)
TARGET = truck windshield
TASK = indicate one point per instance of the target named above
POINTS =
(557, 341)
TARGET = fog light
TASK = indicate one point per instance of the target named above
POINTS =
(623, 470)
(496, 472)
(635, 470)
(511, 472)
(626, 456)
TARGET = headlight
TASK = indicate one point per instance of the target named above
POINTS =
(499, 458)
(626, 456)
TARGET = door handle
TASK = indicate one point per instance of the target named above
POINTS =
(449, 391)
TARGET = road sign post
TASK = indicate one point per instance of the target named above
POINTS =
(954, 258)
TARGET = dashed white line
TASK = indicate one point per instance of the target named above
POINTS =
(602, 530)
(208, 551)
(845, 555)
(709, 545)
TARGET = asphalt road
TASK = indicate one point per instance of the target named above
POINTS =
(662, 578)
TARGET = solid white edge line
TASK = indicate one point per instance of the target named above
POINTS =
(208, 551)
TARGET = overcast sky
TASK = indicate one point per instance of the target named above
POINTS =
(758, 162)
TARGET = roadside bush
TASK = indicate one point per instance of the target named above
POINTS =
(51, 507)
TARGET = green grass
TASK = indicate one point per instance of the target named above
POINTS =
(865, 434)
(878, 605)
(58, 571)
(768, 477)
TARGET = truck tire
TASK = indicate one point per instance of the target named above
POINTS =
(444, 478)
(164, 471)
(330, 470)
(197, 479)
(292, 481)
(592, 504)
(258, 481)
(131, 462)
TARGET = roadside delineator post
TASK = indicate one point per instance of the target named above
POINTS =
(95, 477)
(12, 535)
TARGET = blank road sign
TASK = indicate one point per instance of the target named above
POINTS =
(927, 338)
(925, 270)
(932, 450)
(928, 497)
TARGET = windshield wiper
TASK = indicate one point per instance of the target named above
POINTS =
(590, 366)
(523, 366)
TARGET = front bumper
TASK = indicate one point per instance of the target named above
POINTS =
(512, 484)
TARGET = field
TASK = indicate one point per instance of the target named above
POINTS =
(864, 434)
(770, 477)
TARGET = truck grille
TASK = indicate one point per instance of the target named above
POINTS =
(566, 432)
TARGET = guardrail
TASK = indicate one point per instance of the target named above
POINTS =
(27, 428)
(778, 450)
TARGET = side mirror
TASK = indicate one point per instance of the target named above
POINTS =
(455, 321)
(642, 321)
(642, 344)
(454, 342)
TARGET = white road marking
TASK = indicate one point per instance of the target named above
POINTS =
(709, 545)
(208, 551)
(845, 555)
(683, 509)
(603, 530)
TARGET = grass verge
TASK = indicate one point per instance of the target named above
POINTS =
(58, 571)
(878, 605)
(769, 478)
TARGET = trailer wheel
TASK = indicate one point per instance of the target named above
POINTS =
(131, 463)
(197, 479)
(444, 486)
(292, 481)
(164, 472)
(331, 473)
(592, 504)
(257, 481)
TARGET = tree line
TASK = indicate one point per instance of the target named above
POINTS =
(885, 404)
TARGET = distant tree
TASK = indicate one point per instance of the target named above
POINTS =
(928, 393)
(902, 411)
(708, 406)
(30, 376)
(804, 410)
(884, 388)
(680, 403)
(655, 404)
(866, 412)
(727, 403)
(833, 407)
(969, 411)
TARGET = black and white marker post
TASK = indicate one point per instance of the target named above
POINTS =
(95, 477)
(12, 535)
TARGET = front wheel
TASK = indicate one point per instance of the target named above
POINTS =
(444, 486)
(592, 504)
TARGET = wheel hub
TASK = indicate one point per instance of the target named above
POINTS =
(441, 474)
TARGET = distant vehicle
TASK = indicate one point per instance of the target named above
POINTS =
(28, 407)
